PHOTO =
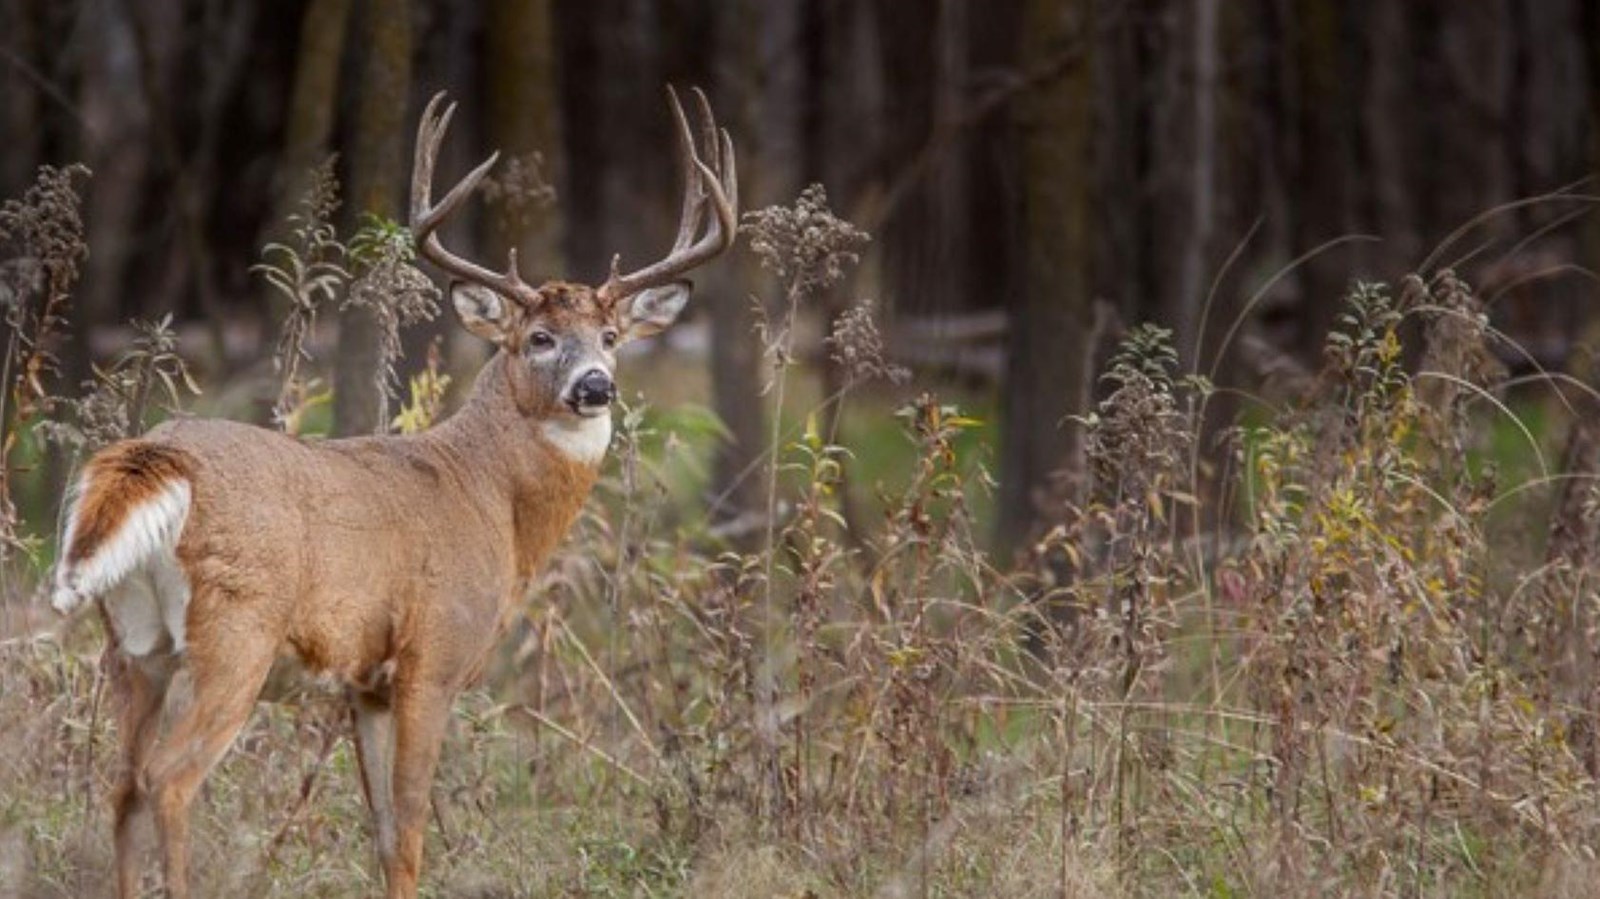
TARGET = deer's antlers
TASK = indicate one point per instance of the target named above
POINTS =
(710, 204)
(715, 184)
(426, 217)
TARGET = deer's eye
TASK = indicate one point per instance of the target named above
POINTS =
(608, 338)
(540, 340)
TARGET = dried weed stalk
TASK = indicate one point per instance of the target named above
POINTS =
(117, 402)
(857, 346)
(393, 289)
(374, 271)
(307, 270)
(519, 192)
(427, 394)
(808, 249)
(42, 237)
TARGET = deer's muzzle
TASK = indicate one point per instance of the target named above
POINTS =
(595, 390)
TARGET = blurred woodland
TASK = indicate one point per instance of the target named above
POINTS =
(1037, 175)
(1272, 320)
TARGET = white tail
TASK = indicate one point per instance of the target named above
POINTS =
(148, 529)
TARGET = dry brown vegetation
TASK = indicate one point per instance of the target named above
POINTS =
(1345, 662)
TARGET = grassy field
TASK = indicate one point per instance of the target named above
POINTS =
(1376, 679)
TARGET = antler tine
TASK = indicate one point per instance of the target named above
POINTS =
(426, 216)
(714, 184)
(726, 223)
(730, 175)
(424, 157)
(693, 194)
(708, 130)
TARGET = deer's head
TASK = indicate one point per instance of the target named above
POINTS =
(561, 337)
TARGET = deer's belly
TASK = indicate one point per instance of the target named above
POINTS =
(293, 679)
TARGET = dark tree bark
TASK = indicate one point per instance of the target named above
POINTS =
(117, 144)
(192, 64)
(1388, 101)
(312, 106)
(1324, 116)
(1589, 23)
(1156, 161)
(990, 154)
(617, 138)
(313, 109)
(745, 87)
(638, 201)
(911, 218)
(1052, 315)
(378, 171)
(582, 60)
(21, 97)
(1201, 181)
(523, 120)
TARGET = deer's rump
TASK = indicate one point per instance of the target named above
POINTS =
(130, 539)
(128, 511)
(323, 540)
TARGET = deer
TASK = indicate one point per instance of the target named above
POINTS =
(390, 564)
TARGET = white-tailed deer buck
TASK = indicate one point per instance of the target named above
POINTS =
(386, 562)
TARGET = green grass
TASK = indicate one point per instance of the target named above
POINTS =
(881, 456)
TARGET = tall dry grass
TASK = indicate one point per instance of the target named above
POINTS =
(1378, 680)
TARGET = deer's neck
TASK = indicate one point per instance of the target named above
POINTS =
(541, 470)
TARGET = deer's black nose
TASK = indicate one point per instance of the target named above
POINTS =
(594, 389)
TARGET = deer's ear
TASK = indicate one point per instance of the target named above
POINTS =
(484, 312)
(651, 311)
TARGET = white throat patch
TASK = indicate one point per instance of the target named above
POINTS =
(581, 439)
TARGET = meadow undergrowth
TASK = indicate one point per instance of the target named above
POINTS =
(1376, 679)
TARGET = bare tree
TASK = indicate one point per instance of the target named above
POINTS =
(752, 86)
(1052, 314)
(313, 103)
(313, 109)
(1202, 175)
(117, 147)
(377, 173)
(524, 123)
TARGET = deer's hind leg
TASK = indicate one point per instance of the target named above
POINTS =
(139, 688)
(228, 661)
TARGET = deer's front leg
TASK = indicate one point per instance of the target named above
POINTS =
(421, 713)
(374, 727)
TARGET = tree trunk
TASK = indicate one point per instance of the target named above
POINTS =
(1572, 528)
(1389, 100)
(990, 152)
(1051, 321)
(312, 106)
(582, 58)
(21, 100)
(1590, 22)
(524, 124)
(1324, 109)
(312, 110)
(117, 145)
(745, 89)
(377, 172)
(1192, 284)
(918, 277)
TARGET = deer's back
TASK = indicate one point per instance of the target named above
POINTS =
(348, 541)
